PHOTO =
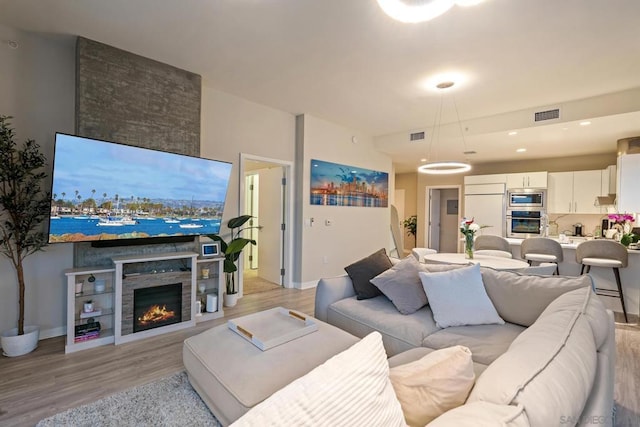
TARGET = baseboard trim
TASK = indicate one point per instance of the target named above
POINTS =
(53, 332)
(306, 285)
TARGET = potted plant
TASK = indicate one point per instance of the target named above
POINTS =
(23, 207)
(411, 225)
(232, 251)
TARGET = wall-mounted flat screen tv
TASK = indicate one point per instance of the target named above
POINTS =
(104, 191)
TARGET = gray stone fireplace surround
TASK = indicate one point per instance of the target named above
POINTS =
(126, 98)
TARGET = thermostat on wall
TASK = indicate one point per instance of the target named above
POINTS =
(210, 249)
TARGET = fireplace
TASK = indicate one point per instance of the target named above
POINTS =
(157, 306)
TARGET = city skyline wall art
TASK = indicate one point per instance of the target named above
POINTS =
(334, 184)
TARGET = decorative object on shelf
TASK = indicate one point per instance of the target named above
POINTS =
(469, 229)
(202, 287)
(87, 307)
(211, 249)
(23, 207)
(444, 167)
(99, 286)
(232, 251)
(79, 288)
(212, 303)
(198, 308)
(204, 272)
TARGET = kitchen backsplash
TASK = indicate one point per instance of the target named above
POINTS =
(566, 222)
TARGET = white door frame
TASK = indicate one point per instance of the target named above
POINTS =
(288, 212)
(427, 207)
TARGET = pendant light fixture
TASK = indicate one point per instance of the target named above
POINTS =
(444, 167)
(414, 11)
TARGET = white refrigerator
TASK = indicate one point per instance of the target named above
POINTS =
(486, 203)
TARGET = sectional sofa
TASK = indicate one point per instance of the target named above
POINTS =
(550, 362)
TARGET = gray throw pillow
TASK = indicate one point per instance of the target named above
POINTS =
(362, 271)
(402, 285)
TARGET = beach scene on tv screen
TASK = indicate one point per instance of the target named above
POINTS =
(109, 191)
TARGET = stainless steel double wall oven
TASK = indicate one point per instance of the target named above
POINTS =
(526, 212)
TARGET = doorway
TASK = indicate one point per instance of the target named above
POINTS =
(266, 195)
(442, 207)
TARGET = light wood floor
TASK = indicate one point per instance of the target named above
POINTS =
(47, 381)
(252, 283)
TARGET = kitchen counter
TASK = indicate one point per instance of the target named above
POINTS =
(602, 277)
(572, 244)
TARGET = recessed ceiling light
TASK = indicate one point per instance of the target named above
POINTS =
(521, 150)
(513, 132)
(585, 123)
(423, 160)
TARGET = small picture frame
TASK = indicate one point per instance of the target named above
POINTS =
(208, 250)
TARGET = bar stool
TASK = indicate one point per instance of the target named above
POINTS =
(604, 253)
(541, 249)
(492, 245)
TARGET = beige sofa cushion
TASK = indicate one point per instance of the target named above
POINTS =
(351, 387)
(433, 384)
(483, 414)
(399, 333)
(520, 299)
(550, 368)
(486, 342)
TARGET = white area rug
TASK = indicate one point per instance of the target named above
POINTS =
(168, 402)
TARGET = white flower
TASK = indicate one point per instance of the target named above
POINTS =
(474, 227)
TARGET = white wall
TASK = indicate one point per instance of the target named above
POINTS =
(232, 125)
(37, 82)
(355, 232)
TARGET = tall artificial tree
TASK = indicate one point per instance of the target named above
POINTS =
(23, 204)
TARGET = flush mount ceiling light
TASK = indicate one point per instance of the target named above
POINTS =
(445, 167)
(414, 11)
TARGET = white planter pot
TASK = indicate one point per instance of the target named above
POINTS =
(230, 300)
(17, 345)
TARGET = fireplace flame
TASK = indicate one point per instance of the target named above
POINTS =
(156, 314)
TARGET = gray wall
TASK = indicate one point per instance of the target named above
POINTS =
(123, 97)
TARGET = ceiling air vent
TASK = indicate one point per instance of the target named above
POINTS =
(416, 136)
(541, 116)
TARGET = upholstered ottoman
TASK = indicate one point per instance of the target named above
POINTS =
(232, 375)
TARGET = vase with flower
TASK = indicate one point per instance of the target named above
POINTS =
(622, 224)
(469, 228)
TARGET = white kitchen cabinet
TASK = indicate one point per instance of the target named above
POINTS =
(486, 204)
(495, 178)
(629, 183)
(574, 192)
(527, 180)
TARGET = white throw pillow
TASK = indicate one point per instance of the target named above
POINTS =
(458, 298)
(350, 389)
(434, 384)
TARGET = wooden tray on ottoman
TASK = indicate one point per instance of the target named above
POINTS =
(273, 327)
